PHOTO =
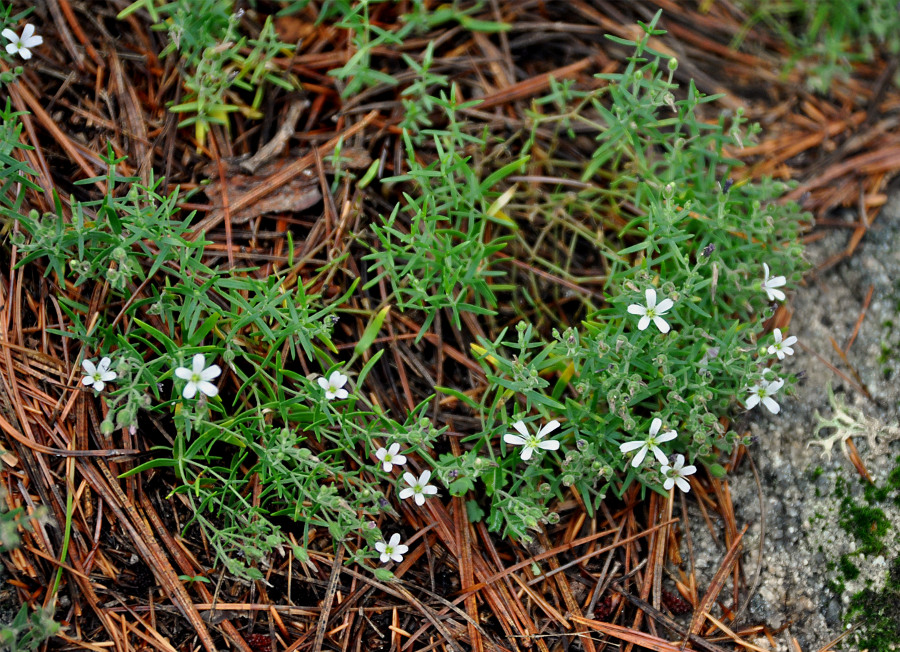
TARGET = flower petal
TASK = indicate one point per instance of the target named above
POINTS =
(380, 546)
(668, 435)
(410, 479)
(401, 550)
(184, 373)
(406, 493)
(549, 445)
(526, 453)
(27, 31)
(650, 293)
(643, 323)
(777, 335)
(659, 455)
(683, 484)
(636, 462)
(208, 388)
(789, 342)
(752, 401)
(664, 306)
(395, 540)
(9, 35)
(429, 490)
(189, 391)
(211, 372)
(520, 428)
(636, 309)
(381, 453)
(655, 426)
(771, 405)
(323, 382)
(661, 324)
(103, 367)
(515, 440)
(690, 469)
(420, 500)
(11, 48)
(99, 385)
(394, 448)
(87, 380)
(766, 271)
(387, 467)
(384, 557)
(399, 460)
(668, 484)
(341, 394)
(108, 375)
(199, 363)
(89, 367)
(775, 385)
(629, 446)
(547, 429)
(425, 477)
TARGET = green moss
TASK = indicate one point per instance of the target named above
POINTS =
(868, 524)
(817, 472)
(848, 568)
(878, 613)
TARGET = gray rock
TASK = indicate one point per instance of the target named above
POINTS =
(802, 531)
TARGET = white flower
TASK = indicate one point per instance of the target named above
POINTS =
(651, 443)
(781, 347)
(769, 285)
(392, 550)
(21, 45)
(389, 457)
(532, 442)
(418, 487)
(97, 376)
(652, 311)
(199, 377)
(334, 385)
(676, 474)
(763, 392)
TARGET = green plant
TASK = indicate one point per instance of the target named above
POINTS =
(206, 34)
(829, 36)
(29, 628)
(443, 258)
(285, 432)
(695, 239)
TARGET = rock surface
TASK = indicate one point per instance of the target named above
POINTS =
(804, 540)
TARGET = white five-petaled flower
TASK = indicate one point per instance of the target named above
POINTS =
(389, 457)
(98, 375)
(22, 45)
(769, 285)
(392, 550)
(532, 442)
(652, 311)
(198, 377)
(676, 473)
(418, 487)
(334, 385)
(763, 391)
(782, 347)
(650, 444)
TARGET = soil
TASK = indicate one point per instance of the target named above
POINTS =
(810, 541)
